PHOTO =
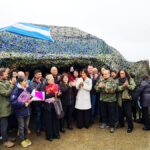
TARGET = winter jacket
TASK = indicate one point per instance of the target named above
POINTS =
(83, 100)
(108, 93)
(5, 91)
(144, 92)
(124, 93)
(19, 107)
(38, 87)
(67, 94)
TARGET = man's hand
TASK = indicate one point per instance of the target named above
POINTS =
(101, 85)
(96, 76)
(13, 81)
(38, 80)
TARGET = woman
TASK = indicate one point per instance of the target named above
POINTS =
(144, 92)
(22, 109)
(67, 100)
(83, 101)
(125, 85)
(51, 120)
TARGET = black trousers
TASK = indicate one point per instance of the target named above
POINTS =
(146, 118)
(134, 108)
(51, 123)
(126, 110)
(68, 110)
(108, 113)
(83, 118)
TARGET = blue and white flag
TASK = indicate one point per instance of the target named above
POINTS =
(29, 30)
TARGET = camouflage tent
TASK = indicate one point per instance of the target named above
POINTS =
(70, 46)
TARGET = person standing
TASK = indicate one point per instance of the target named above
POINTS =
(22, 109)
(93, 77)
(67, 99)
(50, 116)
(144, 92)
(6, 88)
(125, 85)
(107, 88)
(83, 101)
(54, 72)
(38, 83)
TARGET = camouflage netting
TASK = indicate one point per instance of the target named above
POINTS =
(71, 46)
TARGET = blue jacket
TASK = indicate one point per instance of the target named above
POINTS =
(19, 107)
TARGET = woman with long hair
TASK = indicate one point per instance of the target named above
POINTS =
(67, 99)
(125, 85)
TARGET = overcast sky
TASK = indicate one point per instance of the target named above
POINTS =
(123, 24)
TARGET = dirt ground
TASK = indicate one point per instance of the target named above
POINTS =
(93, 138)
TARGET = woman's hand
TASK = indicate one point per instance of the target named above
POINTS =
(59, 93)
(81, 84)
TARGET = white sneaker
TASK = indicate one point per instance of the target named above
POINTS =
(112, 130)
(103, 126)
(0, 137)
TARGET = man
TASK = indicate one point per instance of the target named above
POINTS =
(56, 76)
(107, 86)
(38, 83)
(93, 92)
(6, 88)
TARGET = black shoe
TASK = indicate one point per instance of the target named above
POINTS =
(50, 139)
(70, 127)
(62, 130)
(139, 121)
(91, 122)
(120, 126)
(129, 130)
(146, 129)
(58, 137)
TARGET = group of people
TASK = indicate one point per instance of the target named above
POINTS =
(81, 95)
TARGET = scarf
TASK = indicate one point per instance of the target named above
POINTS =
(122, 80)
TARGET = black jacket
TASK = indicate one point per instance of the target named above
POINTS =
(48, 106)
(144, 92)
(39, 87)
(67, 94)
(94, 81)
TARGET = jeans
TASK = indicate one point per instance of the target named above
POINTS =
(23, 124)
(3, 127)
(93, 102)
(39, 118)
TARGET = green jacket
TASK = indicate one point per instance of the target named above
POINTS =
(123, 92)
(108, 93)
(5, 91)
